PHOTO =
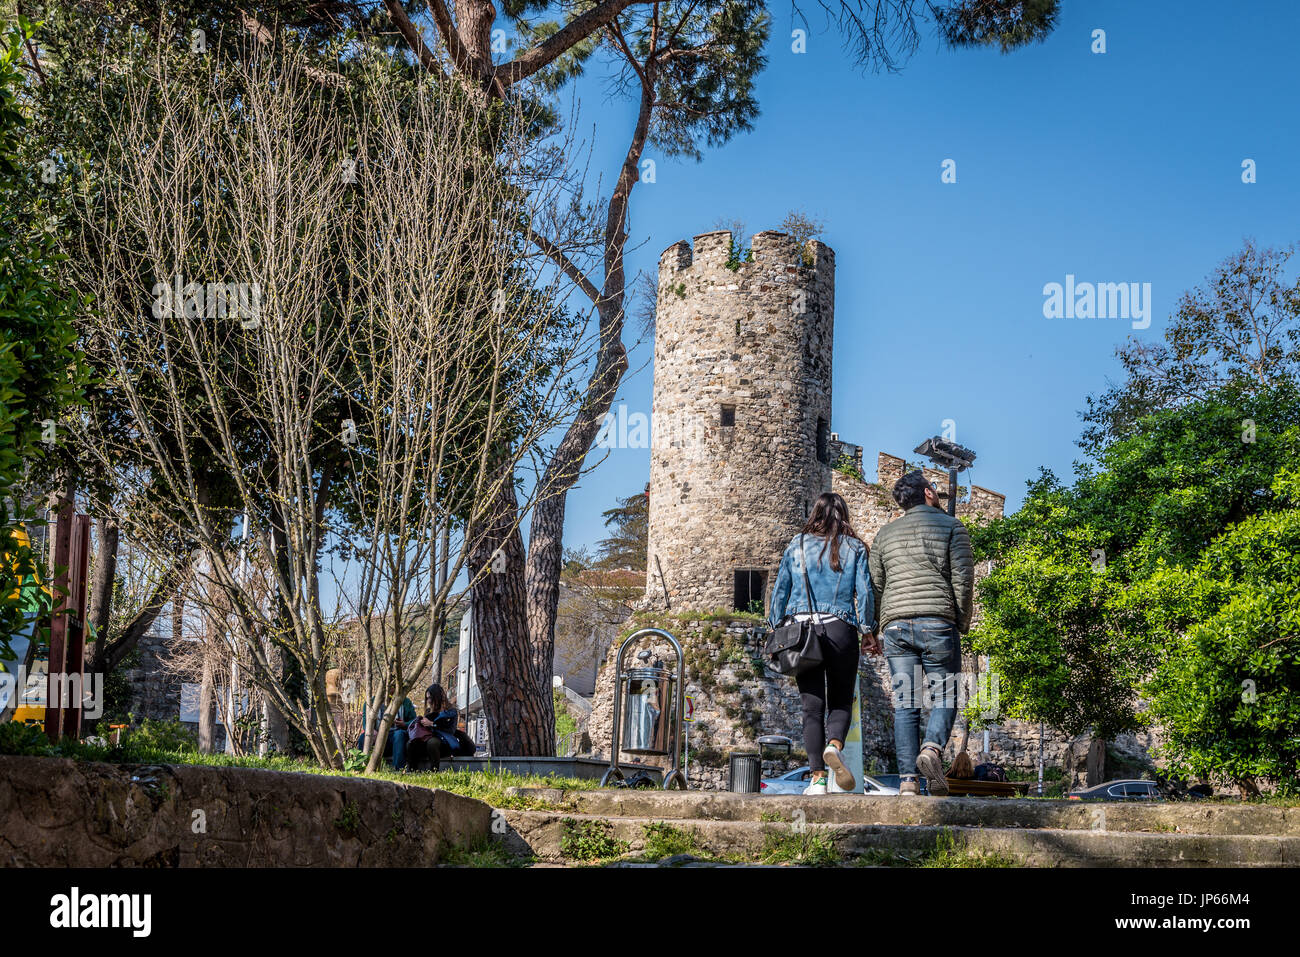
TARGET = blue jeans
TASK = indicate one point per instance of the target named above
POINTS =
(396, 745)
(397, 738)
(924, 657)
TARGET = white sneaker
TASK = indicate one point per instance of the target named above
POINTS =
(844, 779)
(818, 788)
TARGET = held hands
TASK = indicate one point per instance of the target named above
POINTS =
(871, 644)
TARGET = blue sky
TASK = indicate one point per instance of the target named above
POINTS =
(1115, 167)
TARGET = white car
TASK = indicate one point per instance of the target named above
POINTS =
(794, 782)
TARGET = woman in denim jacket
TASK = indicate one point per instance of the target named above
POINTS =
(836, 560)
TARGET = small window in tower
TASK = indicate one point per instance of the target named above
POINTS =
(728, 415)
(751, 589)
(823, 442)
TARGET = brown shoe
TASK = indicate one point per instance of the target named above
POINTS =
(908, 786)
(929, 764)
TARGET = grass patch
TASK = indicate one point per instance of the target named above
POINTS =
(813, 848)
(349, 820)
(483, 852)
(591, 840)
(663, 840)
(652, 618)
(946, 853)
(488, 786)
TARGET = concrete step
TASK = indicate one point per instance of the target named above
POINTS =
(1158, 817)
(556, 837)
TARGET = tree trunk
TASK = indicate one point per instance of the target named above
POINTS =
(546, 534)
(207, 708)
(444, 559)
(277, 729)
(101, 593)
(109, 654)
(474, 19)
(519, 709)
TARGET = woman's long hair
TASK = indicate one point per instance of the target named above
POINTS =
(830, 520)
(436, 698)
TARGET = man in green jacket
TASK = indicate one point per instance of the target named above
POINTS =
(923, 575)
(397, 734)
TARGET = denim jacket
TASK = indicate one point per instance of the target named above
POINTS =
(846, 594)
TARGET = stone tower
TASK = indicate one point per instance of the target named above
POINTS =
(742, 407)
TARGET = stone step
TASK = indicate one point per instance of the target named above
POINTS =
(542, 836)
(1157, 816)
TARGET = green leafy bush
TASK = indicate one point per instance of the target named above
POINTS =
(1163, 586)
(17, 737)
(153, 735)
(41, 371)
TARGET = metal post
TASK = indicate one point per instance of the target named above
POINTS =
(233, 698)
(1040, 759)
(952, 492)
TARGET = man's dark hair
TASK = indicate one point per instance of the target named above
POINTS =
(910, 489)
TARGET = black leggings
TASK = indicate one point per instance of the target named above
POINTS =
(832, 684)
(433, 750)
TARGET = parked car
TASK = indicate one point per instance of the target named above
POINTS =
(1177, 789)
(794, 782)
(1129, 790)
(892, 781)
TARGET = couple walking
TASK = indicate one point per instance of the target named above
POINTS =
(909, 597)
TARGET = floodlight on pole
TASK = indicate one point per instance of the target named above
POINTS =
(951, 456)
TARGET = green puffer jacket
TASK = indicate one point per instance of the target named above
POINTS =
(922, 567)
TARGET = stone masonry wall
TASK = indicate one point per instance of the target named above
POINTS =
(755, 338)
(56, 812)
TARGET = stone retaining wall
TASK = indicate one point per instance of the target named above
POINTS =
(55, 812)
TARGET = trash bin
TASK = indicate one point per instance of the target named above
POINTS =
(648, 710)
(744, 770)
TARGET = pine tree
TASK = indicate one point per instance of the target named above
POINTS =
(629, 523)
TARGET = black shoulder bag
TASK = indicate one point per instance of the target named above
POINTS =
(795, 646)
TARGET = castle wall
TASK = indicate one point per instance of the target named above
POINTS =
(742, 406)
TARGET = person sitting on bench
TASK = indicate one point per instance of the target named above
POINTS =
(434, 735)
(395, 746)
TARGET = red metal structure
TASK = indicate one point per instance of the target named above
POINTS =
(71, 560)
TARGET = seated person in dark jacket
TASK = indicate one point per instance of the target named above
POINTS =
(433, 735)
(395, 746)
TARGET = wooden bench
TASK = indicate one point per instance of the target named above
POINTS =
(969, 787)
